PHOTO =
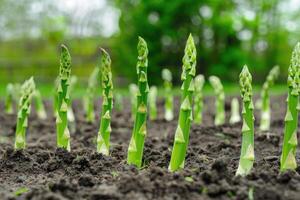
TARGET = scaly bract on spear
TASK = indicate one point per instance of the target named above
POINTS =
(290, 141)
(182, 133)
(136, 145)
(247, 149)
(103, 140)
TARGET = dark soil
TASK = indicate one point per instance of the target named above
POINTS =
(44, 172)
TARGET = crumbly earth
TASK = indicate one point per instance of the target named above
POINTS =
(44, 172)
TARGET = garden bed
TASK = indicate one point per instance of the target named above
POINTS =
(44, 172)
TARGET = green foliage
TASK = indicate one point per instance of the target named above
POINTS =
(136, 145)
(220, 100)
(198, 99)
(235, 111)
(103, 140)
(133, 91)
(39, 105)
(9, 105)
(247, 149)
(265, 98)
(167, 77)
(290, 141)
(24, 108)
(182, 134)
(152, 102)
(90, 96)
(63, 100)
(223, 31)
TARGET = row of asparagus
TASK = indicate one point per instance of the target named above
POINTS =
(191, 101)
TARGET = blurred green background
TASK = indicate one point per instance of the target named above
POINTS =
(228, 34)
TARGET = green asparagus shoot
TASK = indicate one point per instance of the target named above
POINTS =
(198, 99)
(118, 102)
(9, 101)
(235, 111)
(24, 108)
(247, 150)
(136, 145)
(103, 140)
(290, 142)
(39, 106)
(220, 100)
(167, 77)
(90, 97)
(133, 91)
(182, 133)
(63, 100)
(70, 113)
(152, 103)
(265, 99)
(17, 92)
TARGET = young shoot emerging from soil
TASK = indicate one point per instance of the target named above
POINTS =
(152, 103)
(9, 105)
(235, 111)
(118, 102)
(290, 142)
(89, 99)
(27, 88)
(70, 113)
(265, 98)
(39, 105)
(63, 100)
(167, 77)
(198, 99)
(220, 100)
(103, 140)
(247, 149)
(136, 145)
(133, 91)
(182, 133)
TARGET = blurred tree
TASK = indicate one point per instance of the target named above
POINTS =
(228, 35)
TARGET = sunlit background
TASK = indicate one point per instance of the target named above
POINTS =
(228, 34)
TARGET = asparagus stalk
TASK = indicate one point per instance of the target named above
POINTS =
(118, 102)
(220, 100)
(103, 140)
(152, 103)
(17, 92)
(290, 142)
(167, 77)
(133, 91)
(235, 111)
(9, 105)
(136, 145)
(70, 113)
(247, 150)
(198, 99)
(265, 97)
(181, 139)
(63, 100)
(39, 106)
(91, 90)
(24, 107)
